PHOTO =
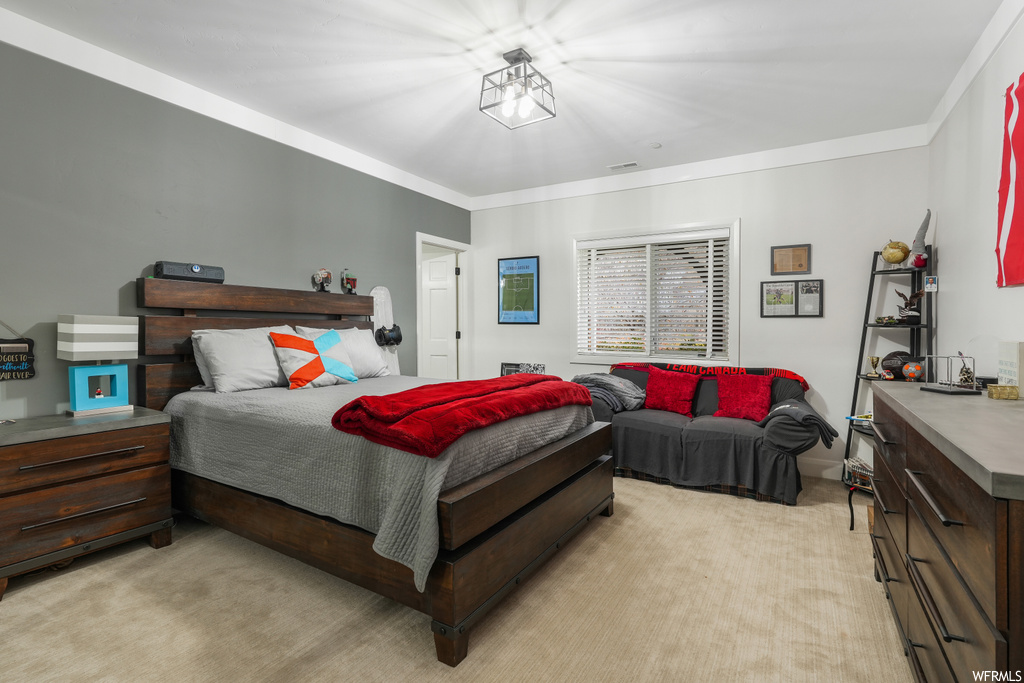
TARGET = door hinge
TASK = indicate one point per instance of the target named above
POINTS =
(458, 271)
(458, 334)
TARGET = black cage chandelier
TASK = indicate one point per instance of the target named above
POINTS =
(518, 94)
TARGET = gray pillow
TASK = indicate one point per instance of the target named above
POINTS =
(237, 360)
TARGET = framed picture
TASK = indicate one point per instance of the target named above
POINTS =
(793, 299)
(792, 259)
(509, 368)
(519, 290)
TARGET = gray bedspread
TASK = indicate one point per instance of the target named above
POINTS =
(280, 443)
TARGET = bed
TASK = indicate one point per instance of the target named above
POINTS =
(494, 528)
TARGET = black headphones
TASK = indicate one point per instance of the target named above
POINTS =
(388, 337)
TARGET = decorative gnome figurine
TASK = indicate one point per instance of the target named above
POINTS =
(918, 256)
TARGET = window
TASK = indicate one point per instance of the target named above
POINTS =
(656, 296)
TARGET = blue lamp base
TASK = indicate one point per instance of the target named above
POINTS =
(85, 403)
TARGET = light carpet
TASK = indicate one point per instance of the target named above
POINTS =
(678, 585)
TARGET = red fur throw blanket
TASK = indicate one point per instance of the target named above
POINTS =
(428, 419)
(716, 370)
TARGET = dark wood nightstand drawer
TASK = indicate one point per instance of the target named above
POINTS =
(53, 461)
(50, 519)
(959, 513)
(970, 640)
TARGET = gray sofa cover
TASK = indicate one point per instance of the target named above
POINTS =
(707, 450)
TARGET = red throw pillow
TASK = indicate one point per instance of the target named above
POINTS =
(672, 391)
(745, 396)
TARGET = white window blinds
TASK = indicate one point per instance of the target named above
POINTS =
(662, 295)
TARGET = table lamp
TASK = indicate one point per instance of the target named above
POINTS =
(97, 338)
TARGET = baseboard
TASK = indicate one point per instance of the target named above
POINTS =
(821, 468)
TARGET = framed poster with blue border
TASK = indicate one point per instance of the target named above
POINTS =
(519, 290)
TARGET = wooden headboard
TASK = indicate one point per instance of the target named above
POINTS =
(195, 306)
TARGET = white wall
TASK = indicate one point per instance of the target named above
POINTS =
(964, 180)
(845, 209)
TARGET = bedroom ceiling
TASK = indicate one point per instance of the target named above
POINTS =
(399, 80)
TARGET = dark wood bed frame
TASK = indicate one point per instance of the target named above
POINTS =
(495, 530)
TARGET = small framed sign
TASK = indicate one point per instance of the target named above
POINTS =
(792, 259)
(17, 361)
(519, 290)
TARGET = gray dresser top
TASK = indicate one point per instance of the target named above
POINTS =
(984, 437)
(30, 429)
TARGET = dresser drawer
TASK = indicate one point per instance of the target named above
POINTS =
(891, 570)
(53, 461)
(50, 519)
(890, 441)
(960, 515)
(890, 504)
(927, 659)
(969, 639)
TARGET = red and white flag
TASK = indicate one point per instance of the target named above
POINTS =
(1010, 239)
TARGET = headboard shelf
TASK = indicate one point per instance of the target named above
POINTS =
(183, 294)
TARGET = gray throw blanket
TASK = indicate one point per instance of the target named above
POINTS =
(619, 393)
(804, 414)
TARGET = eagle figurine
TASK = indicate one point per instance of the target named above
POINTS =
(909, 304)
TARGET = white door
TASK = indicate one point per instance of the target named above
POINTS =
(440, 355)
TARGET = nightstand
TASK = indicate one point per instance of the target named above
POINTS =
(73, 485)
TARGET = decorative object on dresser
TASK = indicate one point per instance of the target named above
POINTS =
(951, 375)
(97, 338)
(1011, 360)
(73, 485)
(948, 537)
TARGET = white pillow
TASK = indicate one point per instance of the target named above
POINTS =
(367, 358)
(237, 360)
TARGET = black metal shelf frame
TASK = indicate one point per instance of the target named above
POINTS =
(920, 335)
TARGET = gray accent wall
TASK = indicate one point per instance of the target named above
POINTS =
(98, 182)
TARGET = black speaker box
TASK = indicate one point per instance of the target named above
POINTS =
(172, 270)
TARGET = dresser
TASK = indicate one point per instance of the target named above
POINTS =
(74, 485)
(948, 535)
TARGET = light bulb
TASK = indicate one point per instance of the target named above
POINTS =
(525, 106)
(508, 97)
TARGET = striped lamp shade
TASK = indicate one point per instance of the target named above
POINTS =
(97, 337)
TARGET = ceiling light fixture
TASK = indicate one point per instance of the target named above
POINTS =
(517, 94)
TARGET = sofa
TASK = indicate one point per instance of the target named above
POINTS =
(742, 450)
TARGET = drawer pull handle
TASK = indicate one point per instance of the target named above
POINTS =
(880, 436)
(926, 596)
(930, 500)
(82, 514)
(131, 449)
(878, 499)
(881, 563)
